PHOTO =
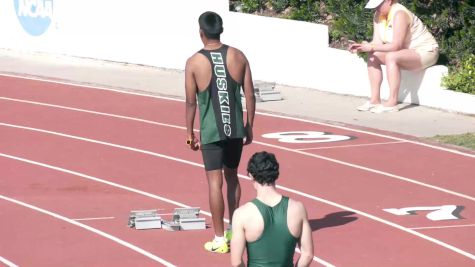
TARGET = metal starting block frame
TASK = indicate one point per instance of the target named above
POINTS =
(182, 219)
(264, 91)
(145, 219)
(188, 219)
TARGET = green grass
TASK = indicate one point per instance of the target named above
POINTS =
(466, 140)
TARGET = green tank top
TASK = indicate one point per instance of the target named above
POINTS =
(221, 114)
(276, 246)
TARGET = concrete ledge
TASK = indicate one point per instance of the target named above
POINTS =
(424, 88)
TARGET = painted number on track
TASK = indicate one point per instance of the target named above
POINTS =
(306, 137)
(439, 213)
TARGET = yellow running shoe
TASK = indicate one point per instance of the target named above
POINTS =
(228, 234)
(215, 247)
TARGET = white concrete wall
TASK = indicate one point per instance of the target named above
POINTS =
(165, 33)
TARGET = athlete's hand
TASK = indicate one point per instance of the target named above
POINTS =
(249, 135)
(193, 143)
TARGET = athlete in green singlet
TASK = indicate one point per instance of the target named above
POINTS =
(271, 225)
(214, 76)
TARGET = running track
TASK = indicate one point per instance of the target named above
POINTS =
(75, 160)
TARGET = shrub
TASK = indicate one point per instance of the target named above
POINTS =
(251, 6)
(462, 78)
(351, 21)
(279, 5)
(305, 11)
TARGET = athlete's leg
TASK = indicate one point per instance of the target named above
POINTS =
(213, 161)
(395, 61)
(216, 201)
(233, 190)
(231, 158)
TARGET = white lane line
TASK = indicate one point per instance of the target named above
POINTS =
(130, 189)
(101, 143)
(7, 262)
(260, 113)
(443, 227)
(94, 219)
(322, 262)
(359, 145)
(78, 84)
(300, 151)
(93, 112)
(89, 228)
(257, 142)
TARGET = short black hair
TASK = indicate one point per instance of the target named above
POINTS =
(211, 24)
(263, 167)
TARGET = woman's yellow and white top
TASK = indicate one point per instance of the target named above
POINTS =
(418, 38)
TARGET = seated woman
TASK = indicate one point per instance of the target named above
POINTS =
(400, 41)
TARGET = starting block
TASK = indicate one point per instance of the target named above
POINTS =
(145, 219)
(182, 219)
(189, 219)
(264, 91)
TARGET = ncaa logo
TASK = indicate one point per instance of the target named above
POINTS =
(34, 15)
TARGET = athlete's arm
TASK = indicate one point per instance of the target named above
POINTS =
(238, 242)
(190, 91)
(248, 88)
(305, 241)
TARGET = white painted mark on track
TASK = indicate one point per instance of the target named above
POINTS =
(443, 227)
(7, 262)
(94, 219)
(438, 213)
(91, 229)
(306, 137)
(347, 146)
(93, 112)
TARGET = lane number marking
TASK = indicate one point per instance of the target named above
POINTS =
(306, 137)
(438, 213)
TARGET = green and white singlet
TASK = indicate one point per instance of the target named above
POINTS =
(221, 114)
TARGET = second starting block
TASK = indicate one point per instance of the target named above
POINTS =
(182, 219)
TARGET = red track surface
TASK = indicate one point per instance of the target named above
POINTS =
(64, 149)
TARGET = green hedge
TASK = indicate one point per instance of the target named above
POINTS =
(452, 22)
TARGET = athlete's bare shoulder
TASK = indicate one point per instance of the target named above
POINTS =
(297, 209)
(236, 54)
(193, 59)
(195, 62)
(246, 211)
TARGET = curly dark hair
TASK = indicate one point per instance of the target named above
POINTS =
(263, 167)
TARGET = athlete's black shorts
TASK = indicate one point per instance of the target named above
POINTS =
(222, 153)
